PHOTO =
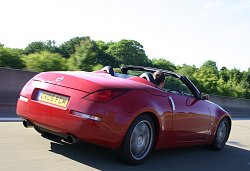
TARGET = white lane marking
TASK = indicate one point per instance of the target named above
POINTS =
(240, 118)
(11, 119)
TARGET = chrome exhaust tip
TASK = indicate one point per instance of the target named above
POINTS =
(72, 140)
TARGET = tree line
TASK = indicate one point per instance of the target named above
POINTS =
(82, 53)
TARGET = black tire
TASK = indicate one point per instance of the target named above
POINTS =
(221, 136)
(139, 140)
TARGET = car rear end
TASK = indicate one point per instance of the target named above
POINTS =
(76, 105)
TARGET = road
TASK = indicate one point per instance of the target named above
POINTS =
(24, 149)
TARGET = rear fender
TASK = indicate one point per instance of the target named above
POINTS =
(140, 102)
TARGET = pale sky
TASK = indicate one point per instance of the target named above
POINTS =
(181, 31)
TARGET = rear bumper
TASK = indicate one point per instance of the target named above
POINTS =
(109, 132)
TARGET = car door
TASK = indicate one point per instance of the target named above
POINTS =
(191, 116)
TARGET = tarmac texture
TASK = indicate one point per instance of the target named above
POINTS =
(24, 149)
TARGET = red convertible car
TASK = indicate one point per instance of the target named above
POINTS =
(123, 110)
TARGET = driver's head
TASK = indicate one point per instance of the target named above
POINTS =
(159, 78)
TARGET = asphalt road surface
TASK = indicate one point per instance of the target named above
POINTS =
(24, 149)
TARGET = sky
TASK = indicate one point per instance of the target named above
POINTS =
(181, 31)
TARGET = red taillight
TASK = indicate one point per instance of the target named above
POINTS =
(103, 96)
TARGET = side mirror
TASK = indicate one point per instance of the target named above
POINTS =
(204, 96)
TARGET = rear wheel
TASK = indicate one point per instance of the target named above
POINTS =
(221, 135)
(139, 140)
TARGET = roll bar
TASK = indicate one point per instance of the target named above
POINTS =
(184, 79)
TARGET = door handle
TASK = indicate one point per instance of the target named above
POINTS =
(171, 102)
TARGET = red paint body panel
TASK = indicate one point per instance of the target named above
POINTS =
(192, 122)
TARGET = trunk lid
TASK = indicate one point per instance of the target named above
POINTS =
(83, 81)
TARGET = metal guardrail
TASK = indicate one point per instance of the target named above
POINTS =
(11, 83)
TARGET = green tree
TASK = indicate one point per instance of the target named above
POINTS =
(224, 88)
(163, 64)
(10, 58)
(44, 61)
(235, 76)
(207, 77)
(211, 66)
(128, 52)
(237, 83)
(102, 45)
(224, 74)
(84, 57)
(104, 58)
(39, 46)
(188, 71)
(68, 48)
(246, 80)
(234, 83)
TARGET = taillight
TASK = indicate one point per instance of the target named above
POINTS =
(103, 96)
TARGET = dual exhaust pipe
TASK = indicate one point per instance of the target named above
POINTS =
(68, 138)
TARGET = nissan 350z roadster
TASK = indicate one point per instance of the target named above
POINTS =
(123, 110)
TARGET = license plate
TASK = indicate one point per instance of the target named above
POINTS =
(52, 98)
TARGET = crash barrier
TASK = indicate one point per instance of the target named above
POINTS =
(12, 81)
(238, 107)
